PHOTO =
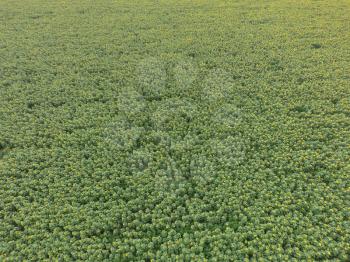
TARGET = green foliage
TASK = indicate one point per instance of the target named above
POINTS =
(174, 130)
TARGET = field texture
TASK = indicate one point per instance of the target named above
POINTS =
(174, 130)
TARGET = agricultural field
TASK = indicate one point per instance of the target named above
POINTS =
(174, 130)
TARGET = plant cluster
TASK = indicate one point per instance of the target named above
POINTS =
(174, 131)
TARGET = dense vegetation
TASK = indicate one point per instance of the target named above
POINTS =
(174, 130)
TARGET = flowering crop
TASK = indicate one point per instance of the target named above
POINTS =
(174, 130)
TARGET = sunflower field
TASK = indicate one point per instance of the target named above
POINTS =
(174, 130)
